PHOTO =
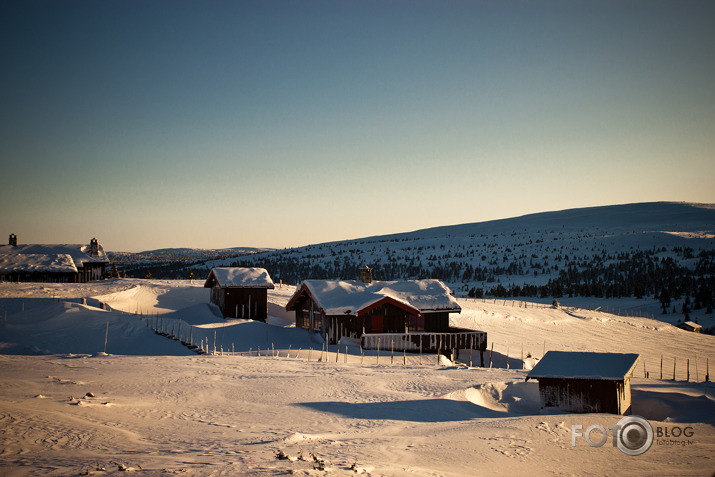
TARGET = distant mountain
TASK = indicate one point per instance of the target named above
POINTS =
(175, 263)
(631, 250)
(647, 216)
(201, 252)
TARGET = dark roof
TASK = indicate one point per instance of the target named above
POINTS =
(583, 365)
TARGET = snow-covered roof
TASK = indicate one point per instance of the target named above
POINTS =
(46, 258)
(37, 263)
(239, 277)
(583, 365)
(338, 297)
(693, 325)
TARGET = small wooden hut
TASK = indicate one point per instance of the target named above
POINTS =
(240, 292)
(690, 326)
(585, 382)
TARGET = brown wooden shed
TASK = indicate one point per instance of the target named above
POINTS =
(585, 382)
(690, 326)
(240, 292)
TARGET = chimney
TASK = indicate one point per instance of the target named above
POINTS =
(366, 275)
(93, 247)
(13, 240)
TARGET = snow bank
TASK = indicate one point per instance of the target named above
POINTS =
(506, 397)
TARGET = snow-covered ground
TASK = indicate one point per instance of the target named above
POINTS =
(84, 389)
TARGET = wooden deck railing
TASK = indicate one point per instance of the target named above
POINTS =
(456, 338)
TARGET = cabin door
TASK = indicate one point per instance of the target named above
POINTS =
(378, 324)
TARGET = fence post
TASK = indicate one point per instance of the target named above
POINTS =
(697, 373)
(471, 347)
(378, 351)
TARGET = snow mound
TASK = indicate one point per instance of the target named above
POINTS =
(686, 402)
(507, 397)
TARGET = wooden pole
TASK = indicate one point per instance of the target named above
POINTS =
(661, 366)
(674, 360)
(471, 347)
(392, 351)
(106, 335)
(697, 373)
(688, 369)
(507, 356)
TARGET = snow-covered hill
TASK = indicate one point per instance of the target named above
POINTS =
(578, 255)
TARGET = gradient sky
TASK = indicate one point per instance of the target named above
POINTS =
(151, 124)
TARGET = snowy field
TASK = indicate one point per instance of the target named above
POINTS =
(92, 391)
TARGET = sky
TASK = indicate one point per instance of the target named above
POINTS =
(211, 124)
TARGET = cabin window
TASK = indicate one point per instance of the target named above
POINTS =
(378, 325)
(305, 319)
(317, 321)
(416, 323)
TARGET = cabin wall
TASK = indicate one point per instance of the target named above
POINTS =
(437, 322)
(386, 318)
(585, 395)
(236, 302)
(91, 271)
(41, 277)
(308, 316)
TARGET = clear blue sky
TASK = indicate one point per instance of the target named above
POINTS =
(211, 124)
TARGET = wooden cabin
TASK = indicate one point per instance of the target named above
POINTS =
(61, 263)
(690, 326)
(240, 292)
(585, 382)
(407, 315)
